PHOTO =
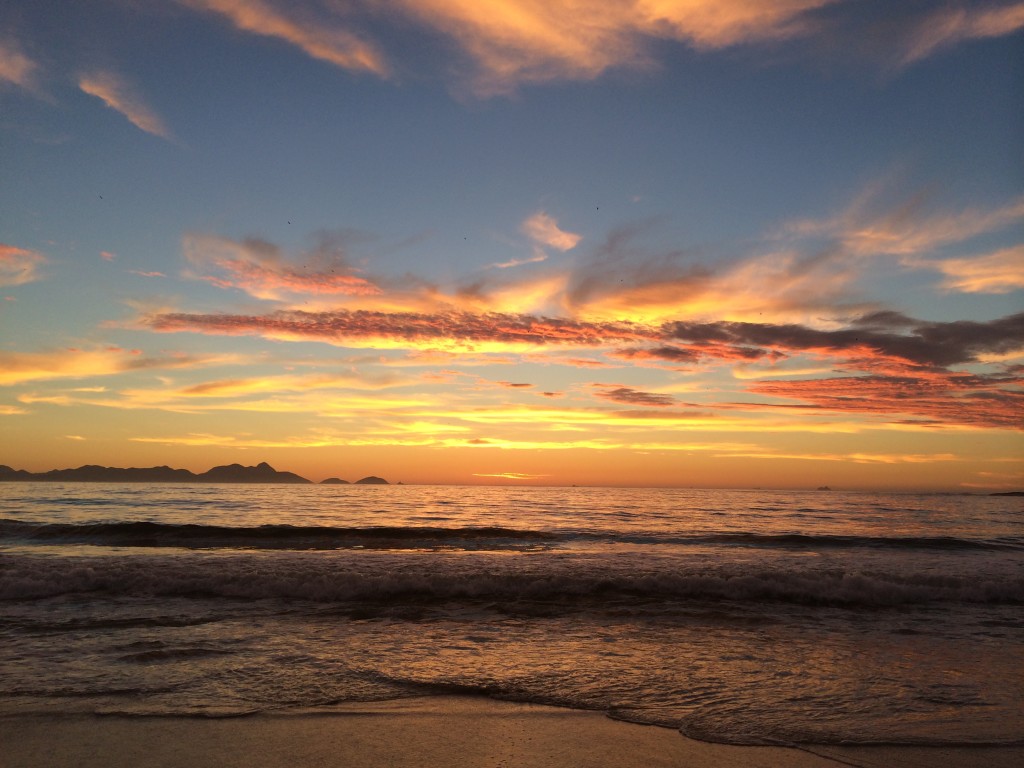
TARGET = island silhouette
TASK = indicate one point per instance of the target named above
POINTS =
(227, 473)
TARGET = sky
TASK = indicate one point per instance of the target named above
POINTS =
(639, 242)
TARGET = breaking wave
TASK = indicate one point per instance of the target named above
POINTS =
(298, 537)
(194, 536)
(378, 580)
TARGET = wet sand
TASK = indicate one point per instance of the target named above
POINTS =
(456, 732)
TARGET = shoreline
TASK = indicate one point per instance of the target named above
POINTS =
(455, 731)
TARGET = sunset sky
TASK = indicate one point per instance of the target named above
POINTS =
(665, 242)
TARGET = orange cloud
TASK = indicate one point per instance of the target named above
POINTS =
(18, 265)
(882, 341)
(510, 475)
(868, 227)
(117, 94)
(261, 269)
(18, 367)
(544, 229)
(364, 328)
(999, 272)
(984, 401)
(313, 31)
(522, 41)
(22, 367)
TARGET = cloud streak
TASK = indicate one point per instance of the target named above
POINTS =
(119, 95)
(998, 272)
(520, 41)
(503, 46)
(263, 270)
(952, 25)
(313, 31)
(871, 341)
(893, 364)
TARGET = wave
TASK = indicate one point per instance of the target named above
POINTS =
(195, 536)
(377, 581)
(826, 541)
(298, 537)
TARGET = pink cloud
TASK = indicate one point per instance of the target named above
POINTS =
(318, 34)
(19, 265)
(119, 95)
(544, 230)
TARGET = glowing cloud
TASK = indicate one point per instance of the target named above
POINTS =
(870, 228)
(510, 475)
(983, 401)
(400, 330)
(510, 43)
(261, 269)
(117, 94)
(21, 367)
(876, 341)
(314, 33)
(544, 229)
(522, 41)
(18, 265)
(999, 272)
(16, 368)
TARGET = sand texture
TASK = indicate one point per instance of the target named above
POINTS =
(444, 731)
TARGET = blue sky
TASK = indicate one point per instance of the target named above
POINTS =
(226, 228)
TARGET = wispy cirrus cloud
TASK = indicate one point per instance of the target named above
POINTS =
(15, 67)
(908, 229)
(955, 24)
(320, 32)
(503, 46)
(78, 363)
(118, 94)
(19, 265)
(521, 41)
(264, 271)
(998, 272)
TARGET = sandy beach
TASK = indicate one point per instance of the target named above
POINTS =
(435, 731)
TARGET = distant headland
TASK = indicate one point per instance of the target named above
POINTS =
(228, 473)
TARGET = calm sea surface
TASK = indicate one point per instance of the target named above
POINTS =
(735, 616)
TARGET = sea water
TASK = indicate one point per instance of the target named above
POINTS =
(734, 616)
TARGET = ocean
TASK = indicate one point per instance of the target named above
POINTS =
(737, 616)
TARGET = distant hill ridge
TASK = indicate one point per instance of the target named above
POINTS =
(228, 473)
